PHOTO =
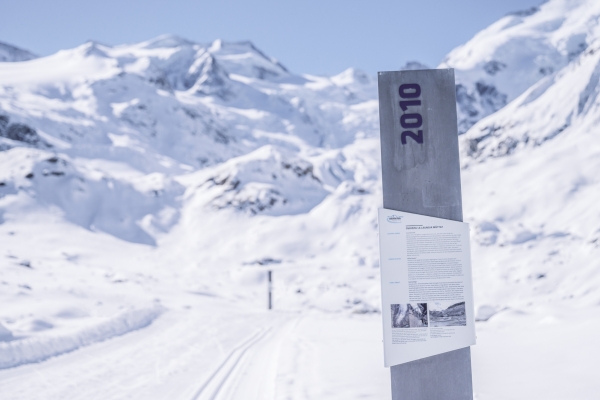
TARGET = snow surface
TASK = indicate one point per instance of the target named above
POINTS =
(508, 57)
(145, 190)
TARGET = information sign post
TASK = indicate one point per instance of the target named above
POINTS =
(421, 175)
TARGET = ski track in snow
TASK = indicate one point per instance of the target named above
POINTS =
(222, 379)
(197, 355)
(164, 360)
(220, 351)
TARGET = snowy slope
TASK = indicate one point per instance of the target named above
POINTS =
(542, 152)
(125, 166)
(10, 53)
(511, 55)
(148, 187)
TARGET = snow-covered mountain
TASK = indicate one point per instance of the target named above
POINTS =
(139, 177)
(178, 146)
(508, 57)
(9, 53)
(168, 107)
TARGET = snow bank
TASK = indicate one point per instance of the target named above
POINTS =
(30, 350)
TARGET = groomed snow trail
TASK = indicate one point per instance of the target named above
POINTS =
(307, 356)
(250, 370)
(165, 360)
(217, 350)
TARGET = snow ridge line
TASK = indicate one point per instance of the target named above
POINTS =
(31, 350)
(211, 388)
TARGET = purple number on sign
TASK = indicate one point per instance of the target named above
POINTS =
(410, 91)
(411, 121)
(418, 137)
(414, 119)
(404, 104)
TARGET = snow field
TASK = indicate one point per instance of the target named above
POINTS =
(218, 350)
(152, 186)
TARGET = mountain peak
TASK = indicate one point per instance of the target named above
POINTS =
(167, 41)
(216, 45)
(350, 76)
(93, 48)
(243, 58)
(413, 65)
(10, 53)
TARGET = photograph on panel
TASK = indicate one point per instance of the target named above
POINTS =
(447, 313)
(411, 315)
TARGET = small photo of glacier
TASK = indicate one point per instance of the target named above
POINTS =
(411, 315)
(447, 313)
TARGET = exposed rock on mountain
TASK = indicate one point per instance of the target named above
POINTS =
(18, 132)
(9, 53)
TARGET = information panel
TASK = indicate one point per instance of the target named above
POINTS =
(426, 286)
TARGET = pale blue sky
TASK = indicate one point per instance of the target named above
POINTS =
(309, 36)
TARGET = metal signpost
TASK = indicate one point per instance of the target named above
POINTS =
(421, 175)
(270, 280)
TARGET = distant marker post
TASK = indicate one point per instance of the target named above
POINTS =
(269, 273)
